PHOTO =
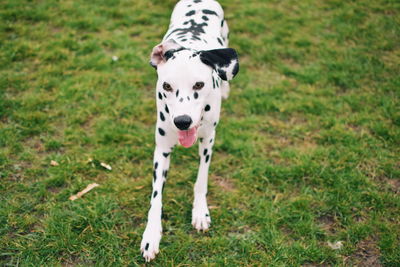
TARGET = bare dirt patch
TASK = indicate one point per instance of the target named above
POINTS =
(224, 183)
(367, 254)
(327, 223)
(395, 185)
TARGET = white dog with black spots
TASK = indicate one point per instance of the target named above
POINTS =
(194, 66)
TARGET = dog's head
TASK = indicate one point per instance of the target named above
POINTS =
(185, 79)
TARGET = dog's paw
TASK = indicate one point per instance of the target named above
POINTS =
(201, 219)
(150, 243)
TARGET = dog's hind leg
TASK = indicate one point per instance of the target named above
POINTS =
(200, 215)
(152, 234)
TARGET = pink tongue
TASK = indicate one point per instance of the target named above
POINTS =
(187, 138)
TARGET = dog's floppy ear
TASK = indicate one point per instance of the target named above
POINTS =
(158, 54)
(225, 61)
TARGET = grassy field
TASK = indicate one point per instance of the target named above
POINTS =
(307, 151)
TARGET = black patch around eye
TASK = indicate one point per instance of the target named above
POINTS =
(190, 13)
(162, 116)
(209, 12)
(177, 93)
(205, 18)
(166, 109)
(161, 131)
(159, 95)
(195, 95)
(207, 108)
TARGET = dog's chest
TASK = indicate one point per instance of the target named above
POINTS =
(197, 24)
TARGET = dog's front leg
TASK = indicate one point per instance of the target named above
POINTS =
(200, 215)
(152, 234)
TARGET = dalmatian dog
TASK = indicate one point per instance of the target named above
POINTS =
(194, 66)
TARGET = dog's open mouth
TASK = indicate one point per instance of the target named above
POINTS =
(188, 137)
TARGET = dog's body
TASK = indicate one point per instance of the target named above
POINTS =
(193, 66)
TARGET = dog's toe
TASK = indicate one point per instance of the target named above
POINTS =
(150, 244)
(201, 219)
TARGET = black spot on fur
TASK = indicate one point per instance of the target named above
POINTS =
(207, 108)
(222, 23)
(163, 184)
(205, 152)
(161, 131)
(188, 98)
(154, 176)
(190, 13)
(209, 12)
(207, 215)
(177, 93)
(196, 29)
(170, 53)
(166, 109)
(155, 165)
(220, 41)
(215, 123)
(165, 173)
(166, 154)
(211, 140)
(201, 140)
(195, 95)
(205, 18)
(181, 99)
(159, 95)
(147, 246)
(184, 40)
(197, 1)
(222, 74)
(155, 194)
(162, 116)
(164, 95)
(207, 158)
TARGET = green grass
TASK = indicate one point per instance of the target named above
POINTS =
(307, 150)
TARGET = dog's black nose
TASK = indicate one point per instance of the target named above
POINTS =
(183, 122)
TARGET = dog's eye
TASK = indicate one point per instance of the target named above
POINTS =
(167, 87)
(198, 85)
